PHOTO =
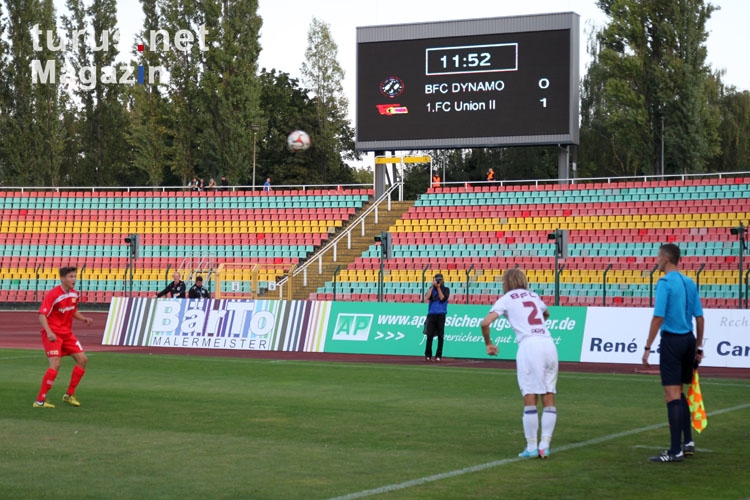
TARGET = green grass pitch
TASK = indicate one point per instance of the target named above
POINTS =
(186, 427)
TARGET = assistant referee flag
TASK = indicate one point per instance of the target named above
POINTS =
(695, 401)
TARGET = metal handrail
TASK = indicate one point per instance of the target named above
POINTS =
(36, 283)
(698, 277)
(331, 245)
(337, 187)
(583, 180)
(604, 285)
(81, 271)
(331, 188)
(651, 286)
(468, 271)
(422, 290)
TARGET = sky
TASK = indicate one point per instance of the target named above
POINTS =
(283, 37)
(284, 33)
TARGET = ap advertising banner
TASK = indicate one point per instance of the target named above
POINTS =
(617, 335)
(380, 328)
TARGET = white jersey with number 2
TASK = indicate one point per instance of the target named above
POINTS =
(525, 313)
(536, 359)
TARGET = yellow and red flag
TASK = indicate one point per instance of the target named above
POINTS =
(695, 402)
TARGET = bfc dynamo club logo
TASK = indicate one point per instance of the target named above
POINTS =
(392, 87)
(87, 76)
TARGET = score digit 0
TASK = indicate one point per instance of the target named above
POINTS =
(544, 85)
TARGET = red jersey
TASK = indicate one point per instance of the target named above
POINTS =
(59, 307)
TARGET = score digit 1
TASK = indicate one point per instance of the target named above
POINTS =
(544, 85)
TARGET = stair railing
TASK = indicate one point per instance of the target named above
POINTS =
(317, 257)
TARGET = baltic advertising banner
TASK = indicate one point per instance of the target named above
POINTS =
(266, 325)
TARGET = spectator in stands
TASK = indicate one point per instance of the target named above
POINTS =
(201, 184)
(677, 303)
(436, 181)
(175, 288)
(193, 185)
(490, 175)
(211, 184)
(59, 307)
(224, 183)
(536, 358)
(197, 291)
(434, 325)
(267, 185)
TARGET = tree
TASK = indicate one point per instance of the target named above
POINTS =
(186, 111)
(322, 75)
(101, 124)
(149, 135)
(5, 93)
(32, 136)
(734, 131)
(285, 106)
(649, 69)
(229, 87)
(50, 101)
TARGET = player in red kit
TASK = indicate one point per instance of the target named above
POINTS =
(56, 315)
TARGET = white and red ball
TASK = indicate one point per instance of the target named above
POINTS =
(298, 141)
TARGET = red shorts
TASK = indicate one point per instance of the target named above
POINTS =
(65, 345)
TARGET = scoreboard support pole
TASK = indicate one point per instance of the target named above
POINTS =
(563, 160)
(379, 177)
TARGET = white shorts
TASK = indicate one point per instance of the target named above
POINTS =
(536, 365)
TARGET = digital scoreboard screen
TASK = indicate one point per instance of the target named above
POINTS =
(476, 83)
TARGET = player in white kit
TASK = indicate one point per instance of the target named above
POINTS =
(536, 361)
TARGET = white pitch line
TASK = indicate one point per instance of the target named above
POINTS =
(497, 463)
(11, 358)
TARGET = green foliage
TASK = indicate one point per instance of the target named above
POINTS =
(322, 75)
(649, 74)
(734, 131)
(97, 152)
(148, 134)
(285, 107)
(229, 88)
(32, 139)
(471, 165)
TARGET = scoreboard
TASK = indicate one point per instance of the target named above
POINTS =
(509, 81)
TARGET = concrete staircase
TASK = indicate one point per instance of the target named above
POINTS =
(345, 256)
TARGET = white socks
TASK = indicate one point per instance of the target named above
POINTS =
(549, 419)
(531, 426)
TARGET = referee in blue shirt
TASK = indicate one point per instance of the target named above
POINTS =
(677, 303)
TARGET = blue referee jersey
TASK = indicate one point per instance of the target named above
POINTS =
(677, 301)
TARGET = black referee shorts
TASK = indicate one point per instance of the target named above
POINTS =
(676, 358)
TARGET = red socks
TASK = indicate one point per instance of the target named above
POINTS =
(47, 381)
(49, 378)
(75, 378)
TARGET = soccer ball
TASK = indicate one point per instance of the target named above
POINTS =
(298, 141)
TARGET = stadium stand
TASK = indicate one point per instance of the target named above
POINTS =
(473, 233)
(42, 230)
